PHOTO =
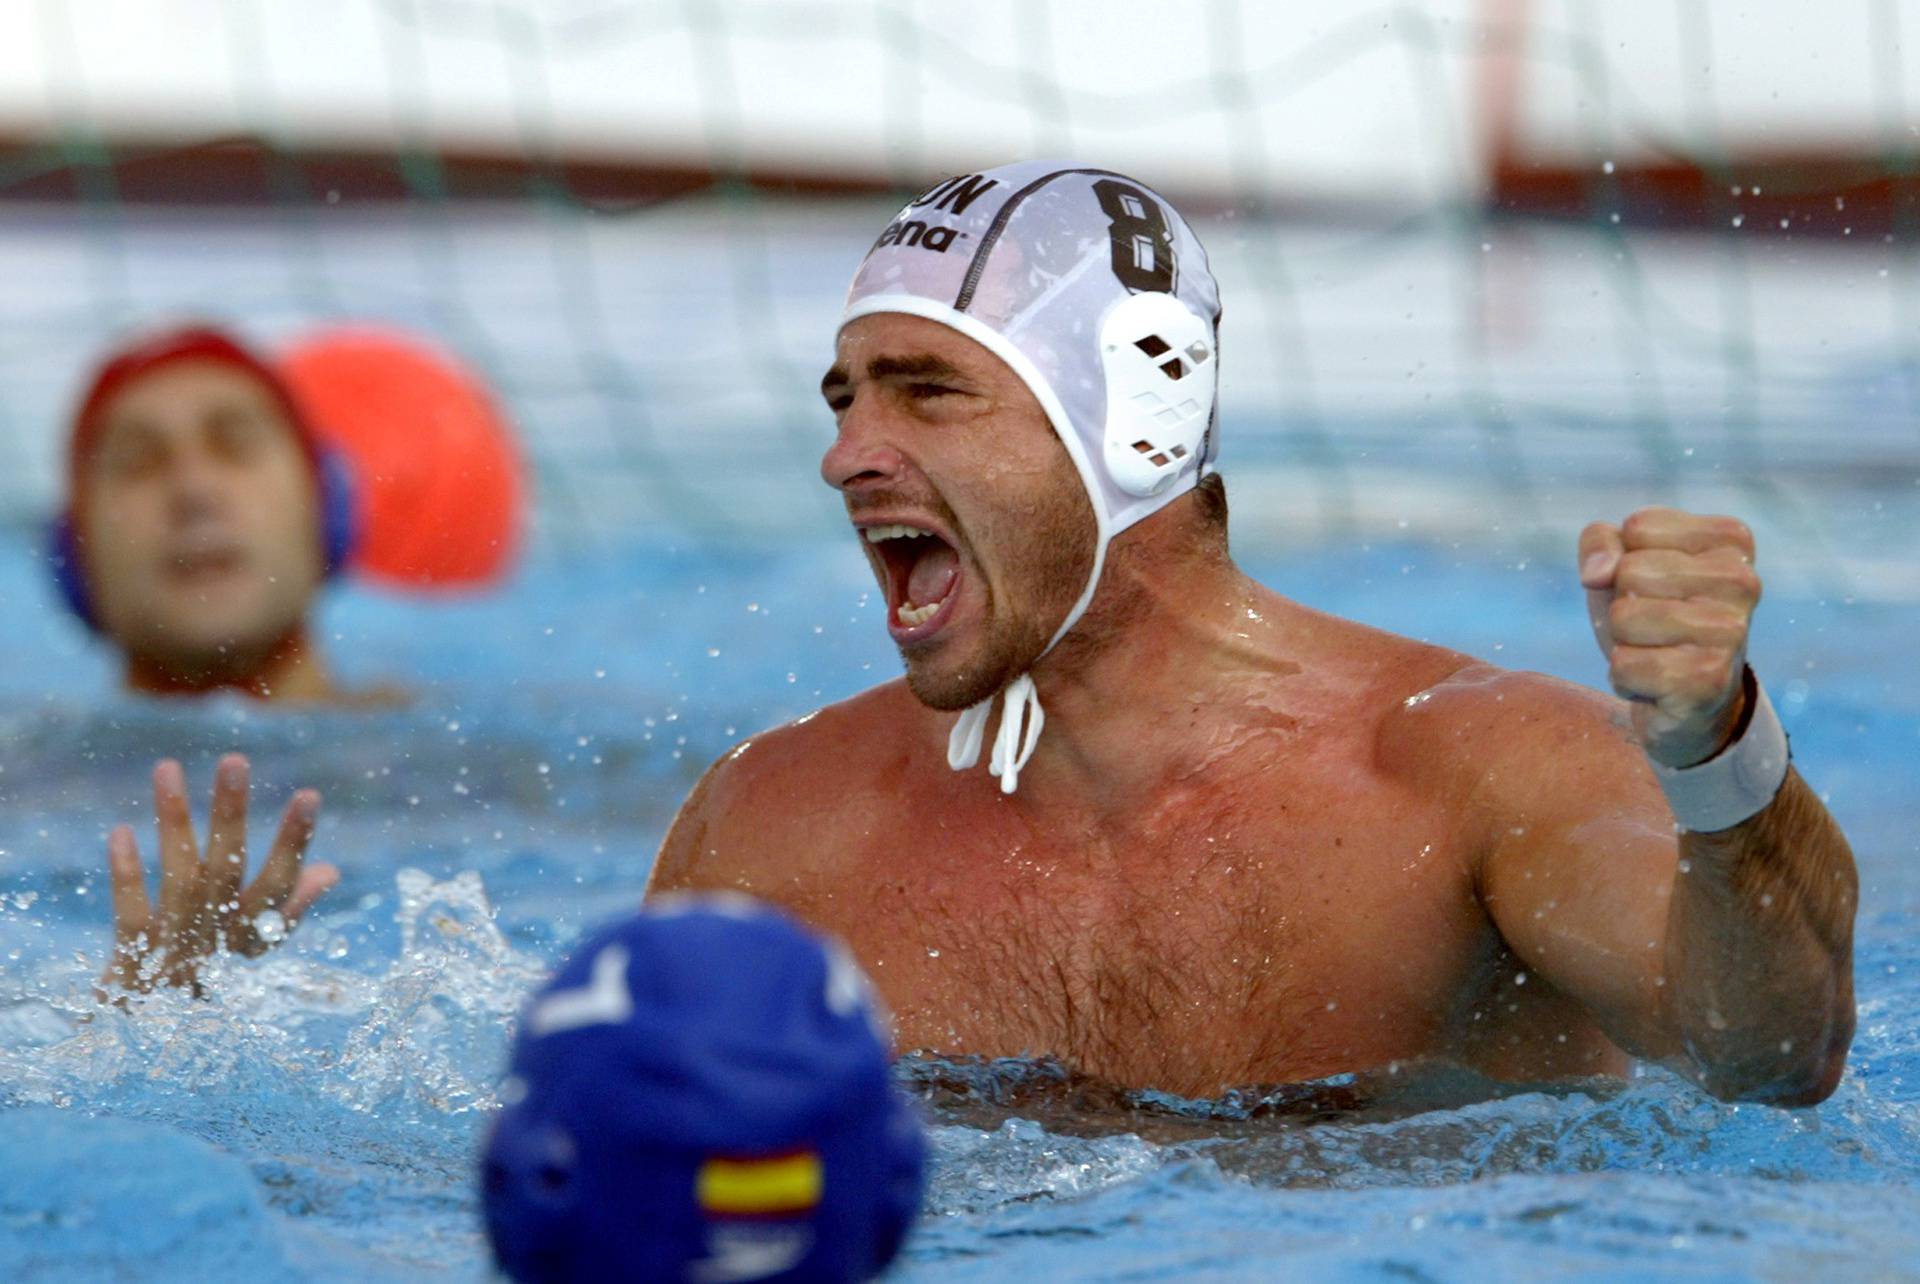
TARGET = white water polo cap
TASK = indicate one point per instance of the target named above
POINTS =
(1093, 289)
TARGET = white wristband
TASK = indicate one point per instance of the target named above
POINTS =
(1737, 783)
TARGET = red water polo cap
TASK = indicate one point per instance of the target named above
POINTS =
(154, 352)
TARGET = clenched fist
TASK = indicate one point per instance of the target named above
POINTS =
(1671, 596)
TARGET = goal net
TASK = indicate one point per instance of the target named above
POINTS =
(1490, 267)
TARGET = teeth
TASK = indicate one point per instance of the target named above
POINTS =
(912, 615)
(877, 533)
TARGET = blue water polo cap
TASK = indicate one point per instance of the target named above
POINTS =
(702, 1093)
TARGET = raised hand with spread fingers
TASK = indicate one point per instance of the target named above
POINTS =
(203, 906)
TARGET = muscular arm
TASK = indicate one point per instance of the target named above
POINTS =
(1759, 952)
(1728, 954)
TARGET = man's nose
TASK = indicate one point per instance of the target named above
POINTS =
(862, 455)
(197, 484)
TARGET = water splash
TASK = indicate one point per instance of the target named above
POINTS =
(440, 1021)
(354, 1099)
(431, 1031)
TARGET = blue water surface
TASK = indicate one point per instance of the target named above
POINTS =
(317, 1117)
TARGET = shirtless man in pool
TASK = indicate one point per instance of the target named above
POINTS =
(1254, 843)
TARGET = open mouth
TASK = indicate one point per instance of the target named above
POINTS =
(921, 571)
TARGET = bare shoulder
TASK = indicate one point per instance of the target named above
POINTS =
(1385, 674)
(1439, 718)
(1516, 747)
(1491, 703)
(1479, 714)
(781, 798)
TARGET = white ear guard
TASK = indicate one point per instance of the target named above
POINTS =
(1161, 374)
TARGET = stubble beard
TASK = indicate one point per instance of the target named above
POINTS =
(1054, 557)
(1009, 649)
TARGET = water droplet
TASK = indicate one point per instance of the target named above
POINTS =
(270, 926)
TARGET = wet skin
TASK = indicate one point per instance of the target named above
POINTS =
(1258, 843)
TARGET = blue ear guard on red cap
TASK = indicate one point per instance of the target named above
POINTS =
(702, 1093)
(337, 537)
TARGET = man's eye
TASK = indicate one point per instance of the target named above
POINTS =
(131, 461)
(238, 435)
(923, 390)
(838, 402)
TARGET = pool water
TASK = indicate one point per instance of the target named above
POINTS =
(317, 1118)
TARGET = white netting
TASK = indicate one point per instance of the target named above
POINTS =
(640, 221)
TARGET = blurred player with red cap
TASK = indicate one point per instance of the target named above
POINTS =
(203, 514)
(211, 493)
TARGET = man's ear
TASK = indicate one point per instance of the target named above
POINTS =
(69, 573)
(339, 524)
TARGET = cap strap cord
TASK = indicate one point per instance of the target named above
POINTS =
(963, 745)
(1021, 719)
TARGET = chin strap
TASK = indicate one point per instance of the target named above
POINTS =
(1021, 719)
